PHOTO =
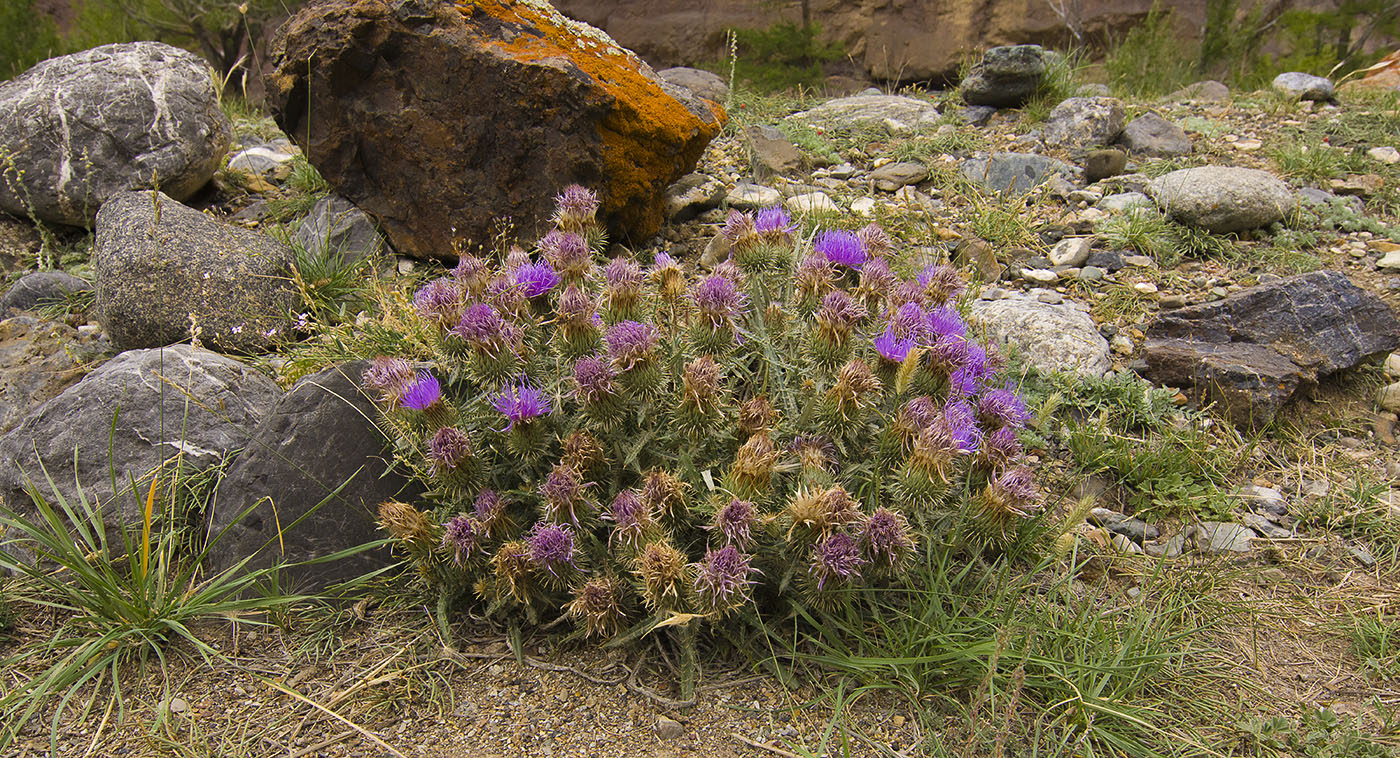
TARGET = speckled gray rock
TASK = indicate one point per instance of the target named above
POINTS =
(38, 360)
(169, 402)
(892, 112)
(40, 287)
(891, 176)
(1222, 199)
(285, 467)
(79, 128)
(1013, 172)
(161, 265)
(1154, 136)
(1304, 86)
(1006, 76)
(1084, 122)
(1051, 337)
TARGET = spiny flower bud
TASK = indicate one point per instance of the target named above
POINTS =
(814, 452)
(389, 378)
(565, 496)
(568, 253)
(439, 302)
(999, 449)
(700, 395)
(1008, 498)
(875, 240)
(740, 230)
(942, 283)
(836, 561)
(664, 494)
(490, 510)
(552, 548)
(815, 278)
(513, 568)
(662, 569)
(578, 322)
(516, 259)
(756, 415)
(405, 523)
(1001, 408)
(448, 448)
(471, 274)
(817, 512)
(722, 580)
(631, 343)
(595, 604)
(753, 465)
(670, 282)
(876, 280)
(582, 451)
(623, 281)
(735, 522)
(576, 208)
(632, 520)
(836, 318)
(887, 539)
(462, 535)
(907, 292)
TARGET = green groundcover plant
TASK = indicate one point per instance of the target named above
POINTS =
(636, 447)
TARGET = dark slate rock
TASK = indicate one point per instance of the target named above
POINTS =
(1152, 135)
(159, 263)
(976, 115)
(176, 401)
(320, 435)
(80, 128)
(40, 288)
(1250, 352)
(1108, 260)
(1013, 172)
(1007, 76)
(335, 227)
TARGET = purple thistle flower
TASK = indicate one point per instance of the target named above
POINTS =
(470, 270)
(1018, 487)
(520, 404)
(575, 206)
(630, 343)
(567, 252)
(503, 294)
(564, 494)
(717, 299)
(875, 240)
(735, 521)
(461, 535)
(1000, 448)
(481, 325)
(536, 279)
(448, 447)
(774, 224)
(424, 393)
(841, 248)
(438, 301)
(944, 321)
(893, 348)
(739, 228)
(722, 578)
(623, 275)
(942, 283)
(840, 311)
(488, 506)
(551, 546)
(836, 559)
(594, 377)
(389, 377)
(576, 307)
(950, 352)
(662, 260)
(886, 537)
(963, 382)
(916, 415)
(908, 321)
(907, 292)
(631, 518)
(961, 422)
(1002, 408)
(876, 277)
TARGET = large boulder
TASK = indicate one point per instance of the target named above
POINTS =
(441, 120)
(140, 411)
(1222, 199)
(1084, 122)
(77, 129)
(319, 436)
(163, 268)
(1013, 172)
(1052, 337)
(1007, 76)
(1250, 352)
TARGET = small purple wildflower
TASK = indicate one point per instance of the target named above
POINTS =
(774, 224)
(631, 343)
(389, 377)
(735, 521)
(841, 248)
(575, 207)
(424, 393)
(718, 300)
(836, 559)
(722, 578)
(521, 403)
(438, 301)
(887, 538)
(662, 260)
(1002, 408)
(551, 546)
(594, 377)
(536, 279)
(461, 535)
(963, 382)
(448, 447)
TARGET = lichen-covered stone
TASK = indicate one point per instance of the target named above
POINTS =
(76, 129)
(440, 120)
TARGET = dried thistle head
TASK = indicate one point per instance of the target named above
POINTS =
(735, 522)
(663, 573)
(1005, 501)
(814, 452)
(596, 604)
(756, 415)
(632, 519)
(817, 513)
(582, 452)
(566, 498)
(664, 494)
(722, 580)
(887, 539)
(754, 463)
(405, 523)
(513, 570)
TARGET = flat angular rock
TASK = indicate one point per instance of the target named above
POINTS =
(80, 128)
(891, 176)
(1304, 86)
(1084, 122)
(693, 195)
(1222, 199)
(772, 150)
(1051, 337)
(1208, 91)
(317, 437)
(1152, 135)
(747, 197)
(1213, 537)
(1250, 352)
(1007, 76)
(438, 119)
(1013, 172)
(706, 84)
(335, 227)
(161, 265)
(892, 112)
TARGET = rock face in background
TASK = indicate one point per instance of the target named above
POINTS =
(177, 400)
(433, 117)
(161, 264)
(317, 437)
(1253, 350)
(77, 129)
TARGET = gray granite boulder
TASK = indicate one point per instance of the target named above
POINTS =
(1222, 199)
(162, 266)
(319, 436)
(1304, 86)
(77, 129)
(1251, 352)
(1051, 337)
(1007, 76)
(1079, 122)
(171, 404)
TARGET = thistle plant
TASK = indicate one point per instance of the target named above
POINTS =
(617, 442)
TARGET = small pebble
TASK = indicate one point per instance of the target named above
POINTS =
(668, 728)
(1146, 288)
